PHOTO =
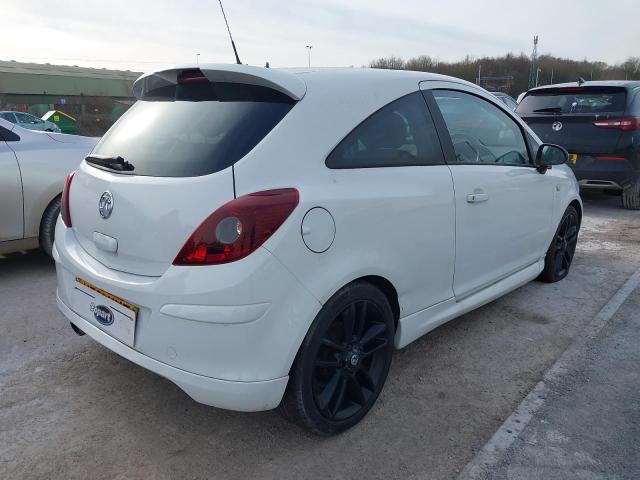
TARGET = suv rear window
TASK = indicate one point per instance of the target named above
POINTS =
(574, 100)
(195, 130)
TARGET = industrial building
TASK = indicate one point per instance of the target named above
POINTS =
(94, 97)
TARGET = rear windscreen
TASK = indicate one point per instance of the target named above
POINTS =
(194, 130)
(574, 100)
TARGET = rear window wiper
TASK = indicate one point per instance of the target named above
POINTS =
(118, 163)
(549, 110)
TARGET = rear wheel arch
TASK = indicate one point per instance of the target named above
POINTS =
(381, 283)
(389, 291)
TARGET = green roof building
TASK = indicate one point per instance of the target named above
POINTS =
(94, 97)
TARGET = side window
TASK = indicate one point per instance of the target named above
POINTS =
(480, 131)
(23, 118)
(8, 116)
(399, 134)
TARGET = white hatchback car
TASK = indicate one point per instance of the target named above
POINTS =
(264, 238)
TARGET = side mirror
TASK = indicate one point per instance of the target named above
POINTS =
(549, 155)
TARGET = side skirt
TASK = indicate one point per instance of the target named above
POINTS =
(414, 326)
(18, 245)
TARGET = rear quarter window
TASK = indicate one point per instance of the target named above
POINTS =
(576, 100)
(194, 130)
(399, 134)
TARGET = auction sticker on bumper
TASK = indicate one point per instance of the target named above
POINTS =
(573, 158)
(110, 313)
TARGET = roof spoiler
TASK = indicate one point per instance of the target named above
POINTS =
(284, 82)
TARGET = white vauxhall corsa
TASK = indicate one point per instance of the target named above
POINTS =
(265, 238)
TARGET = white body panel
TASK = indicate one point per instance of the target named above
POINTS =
(223, 331)
(44, 160)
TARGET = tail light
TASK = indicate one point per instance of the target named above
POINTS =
(627, 124)
(64, 207)
(238, 228)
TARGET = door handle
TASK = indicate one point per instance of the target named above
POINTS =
(477, 197)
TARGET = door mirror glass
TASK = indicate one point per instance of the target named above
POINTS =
(549, 155)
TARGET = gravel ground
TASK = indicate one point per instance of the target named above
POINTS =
(70, 408)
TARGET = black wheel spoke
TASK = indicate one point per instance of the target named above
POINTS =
(333, 345)
(356, 393)
(362, 319)
(348, 322)
(373, 331)
(327, 363)
(342, 388)
(366, 380)
(329, 390)
(373, 350)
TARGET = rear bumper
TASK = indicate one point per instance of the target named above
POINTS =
(241, 396)
(604, 174)
(227, 334)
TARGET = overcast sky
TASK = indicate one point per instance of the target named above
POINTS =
(145, 34)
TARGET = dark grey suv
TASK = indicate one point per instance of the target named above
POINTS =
(599, 124)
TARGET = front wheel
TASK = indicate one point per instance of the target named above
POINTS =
(343, 361)
(560, 254)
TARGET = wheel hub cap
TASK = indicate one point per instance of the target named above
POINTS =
(352, 358)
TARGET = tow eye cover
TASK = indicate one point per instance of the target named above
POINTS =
(318, 230)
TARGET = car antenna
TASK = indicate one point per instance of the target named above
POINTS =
(581, 80)
(229, 30)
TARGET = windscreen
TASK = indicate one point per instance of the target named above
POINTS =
(574, 100)
(193, 130)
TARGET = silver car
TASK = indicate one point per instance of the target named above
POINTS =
(33, 168)
(31, 122)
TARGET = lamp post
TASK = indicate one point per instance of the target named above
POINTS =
(537, 75)
(197, 59)
(309, 47)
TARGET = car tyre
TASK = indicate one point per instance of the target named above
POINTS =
(48, 226)
(631, 196)
(343, 362)
(560, 254)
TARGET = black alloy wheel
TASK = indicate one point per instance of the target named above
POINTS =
(350, 361)
(343, 362)
(563, 248)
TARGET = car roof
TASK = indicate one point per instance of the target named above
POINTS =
(292, 81)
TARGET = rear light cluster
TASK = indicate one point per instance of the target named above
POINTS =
(627, 124)
(64, 207)
(238, 228)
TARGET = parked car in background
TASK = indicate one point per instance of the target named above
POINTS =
(265, 237)
(599, 124)
(506, 99)
(28, 121)
(33, 168)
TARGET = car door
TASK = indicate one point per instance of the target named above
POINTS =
(11, 224)
(504, 205)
